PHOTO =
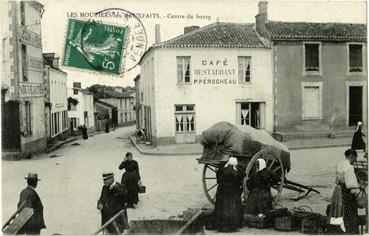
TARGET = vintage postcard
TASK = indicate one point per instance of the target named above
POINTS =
(184, 117)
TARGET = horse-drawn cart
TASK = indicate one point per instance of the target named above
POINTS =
(224, 140)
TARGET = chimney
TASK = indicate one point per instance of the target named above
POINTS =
(263, 9)
(189, 29)
(261, 18)
(157, 33)
(56, 63)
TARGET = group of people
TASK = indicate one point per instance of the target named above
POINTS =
(229, 210)
(114, 198)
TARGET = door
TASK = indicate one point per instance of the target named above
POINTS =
(311, 101)
(10, 126)
(185, 131)
(355, 105)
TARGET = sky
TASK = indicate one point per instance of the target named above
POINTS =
(55, 19)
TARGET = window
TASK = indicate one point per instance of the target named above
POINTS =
(125, 103)
(185, 118)
(142, 96)
(27, 118)
(251, 114)
(24, 63)
(76, 86)
(312, 58)
(355, 57)
(312, 100)
(183, 69)
(244, 69)
(22, 11)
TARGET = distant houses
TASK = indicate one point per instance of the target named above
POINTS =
(81, 107)
(124, 102)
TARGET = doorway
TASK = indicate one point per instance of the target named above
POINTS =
(185, 124)
(10, 125)
(251, 114)
(355, 105)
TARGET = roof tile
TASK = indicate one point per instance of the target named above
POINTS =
(316, 31)
(218, 35)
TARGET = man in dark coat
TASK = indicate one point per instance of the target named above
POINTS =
(29, 198)
(112, 200)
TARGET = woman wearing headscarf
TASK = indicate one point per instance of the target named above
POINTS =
(260, 198)
(228, 213)
(131, 178)
(357, 140)
(343, 214)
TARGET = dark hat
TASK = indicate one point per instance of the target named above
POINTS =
(107, 175)
(32, 176)
(349, 152)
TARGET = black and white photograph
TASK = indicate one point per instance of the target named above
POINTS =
(184, 117)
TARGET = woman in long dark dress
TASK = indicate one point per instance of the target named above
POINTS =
(343, 210)
(357, 140)
(228, 213)
(131, 178)
(260, 198)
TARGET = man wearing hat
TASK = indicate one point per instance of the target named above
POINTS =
(112, 200)
(29, 198)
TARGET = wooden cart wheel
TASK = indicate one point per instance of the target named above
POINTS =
(209, 182)
(274, 163)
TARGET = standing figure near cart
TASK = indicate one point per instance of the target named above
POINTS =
(260, 198)
(131, 178)
(344, 210)
(357, 140)
(228, 213)
(29, 198)
(112, 200)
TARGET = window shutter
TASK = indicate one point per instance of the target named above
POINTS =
(31, 114)
(23, 117)
(179, 70)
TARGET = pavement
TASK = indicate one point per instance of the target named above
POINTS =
(196, 148)
(71, 182)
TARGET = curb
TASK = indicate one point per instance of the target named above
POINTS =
(318, 146)
(61, 144)
(71, 140)
(157, 153)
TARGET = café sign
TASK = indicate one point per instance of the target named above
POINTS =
(31, 90)
(215, 71)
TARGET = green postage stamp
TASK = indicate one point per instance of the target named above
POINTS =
(94, 46)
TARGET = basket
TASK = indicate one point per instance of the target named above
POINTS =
(300, 213)
(315, 224)
(256, 221)
(285, 223)
(141, 189)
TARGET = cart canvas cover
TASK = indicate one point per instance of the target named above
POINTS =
(224, 137)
